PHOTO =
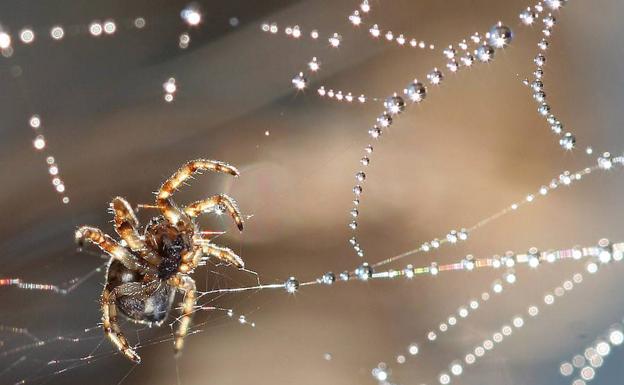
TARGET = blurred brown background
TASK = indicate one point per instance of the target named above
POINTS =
(475, 146)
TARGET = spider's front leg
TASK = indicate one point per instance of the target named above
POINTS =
(210, 204)
(126, 224)
(110, 247)
(172, 213)
(186, 171)
(187, 285)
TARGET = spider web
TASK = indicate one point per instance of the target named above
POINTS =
(82, 350)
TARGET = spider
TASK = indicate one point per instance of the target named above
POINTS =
(145, 272)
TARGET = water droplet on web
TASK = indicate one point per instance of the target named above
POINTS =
(415, 91)
(394, 105)
(484, 53)
(500, 35)
(567, 141)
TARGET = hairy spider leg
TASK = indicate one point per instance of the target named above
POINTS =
(172, 213)
(126, 224)
(222, 253)
(110, 247)
(210, 204)
(185, 284)
(188, 169)
(110, 324)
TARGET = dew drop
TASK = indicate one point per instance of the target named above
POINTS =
(500, 35)
(567, 141)
(415, 91)
(291, 285)
(300, 82)
(435, 76)
(328, 278)
(364, 272)
(484, 53)
(394, 105)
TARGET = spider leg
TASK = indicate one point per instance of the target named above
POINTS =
(187, 285)
(173, 214)
(210, 204)
(222, 253)
(110, 247)
(109, 314)
(111, 327)
(126, 224)
(186, 171)
(169, 210)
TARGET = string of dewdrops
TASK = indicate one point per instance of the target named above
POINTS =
(28, 35)
(457, 367)
(587, 364)
(39, 143)
(528, 17)
(499, 36)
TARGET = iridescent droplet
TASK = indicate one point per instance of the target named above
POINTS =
(328, 278)
(300, 82)
(435, 76)
(384, 120)
(567, 141)
(484, 53)
(291, 285)
(539, 60)
(394, 105)
(604, 161)
(500, 35)
(543, 109)
(467, 60)
(415, 91)
(375, 132)
(364, 272)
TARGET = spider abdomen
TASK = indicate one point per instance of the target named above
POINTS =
(152, 309)
(147, 309)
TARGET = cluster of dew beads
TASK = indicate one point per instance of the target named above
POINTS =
(39, 143)
(603, 253)
(170, 89)
(498, 37)
(341, 96)
(567, 140)
(96, 28)
(463, 312)
(583, 367)
(400, 39)
(299, 81)
(192, 17)
(294, 31)
(483, 49)
(458, 366)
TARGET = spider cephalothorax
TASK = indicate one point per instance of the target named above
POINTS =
(145, 271)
